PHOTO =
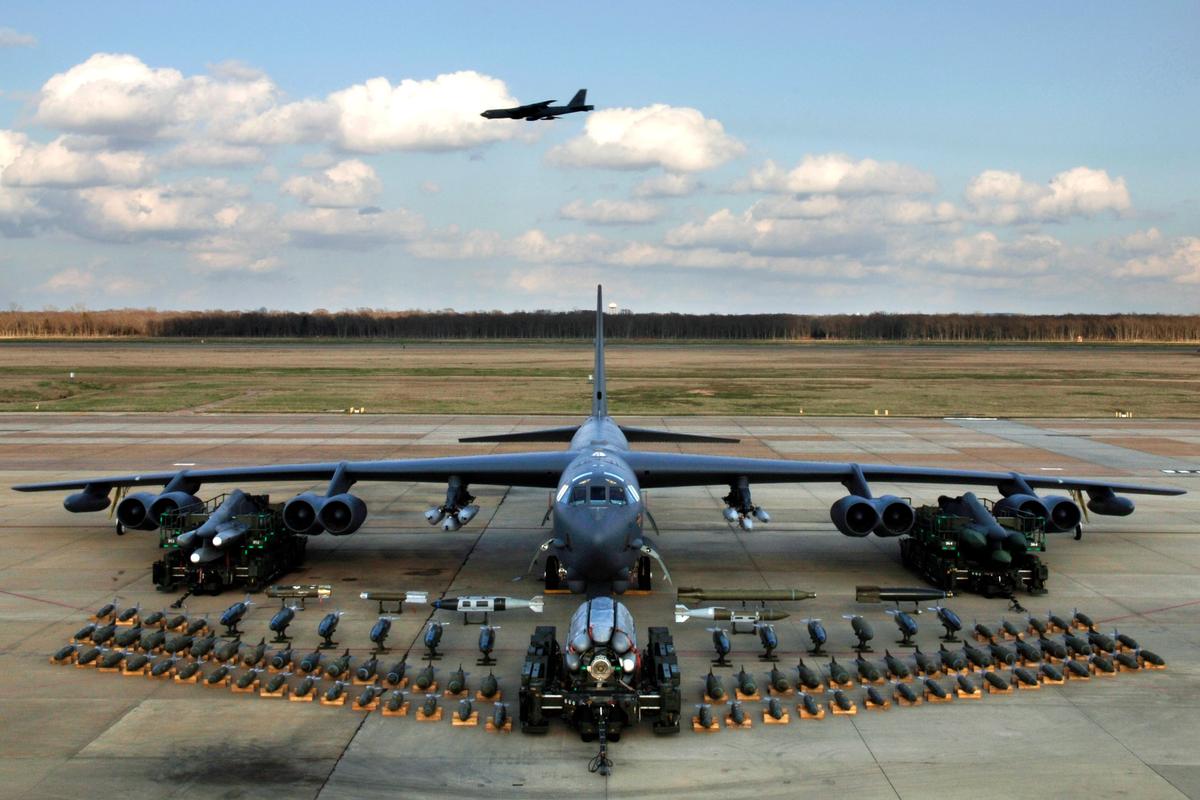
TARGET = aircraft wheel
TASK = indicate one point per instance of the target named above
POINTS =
(1078, 531)
(120, 528)
(553, 581)
(643, 574)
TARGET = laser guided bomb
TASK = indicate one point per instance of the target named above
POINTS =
(600, 681)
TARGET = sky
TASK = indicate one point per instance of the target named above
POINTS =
(765, 157)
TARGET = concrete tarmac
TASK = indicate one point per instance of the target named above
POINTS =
(69, 732)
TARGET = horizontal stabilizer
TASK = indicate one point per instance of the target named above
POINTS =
(651, 435)
(562, 434)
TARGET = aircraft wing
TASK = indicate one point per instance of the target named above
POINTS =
(655, 470)
(539, 470)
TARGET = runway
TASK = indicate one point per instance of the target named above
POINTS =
(72, 732)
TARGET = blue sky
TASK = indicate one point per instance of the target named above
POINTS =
(776, 157)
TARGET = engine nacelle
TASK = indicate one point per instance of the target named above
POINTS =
(854, 515)
(342, 514)
(1064, 515)
(896, 516)
(300, 514)
(1104, 502)
(1061, 513)
(169, 502)
(134, 512)
(90, 499)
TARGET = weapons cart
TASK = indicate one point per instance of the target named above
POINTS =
(267, 551)
(600, 682)
(936, 550)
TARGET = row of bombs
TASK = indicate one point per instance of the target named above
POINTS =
(1091, 641)
(128, 628)
(273, 680)
(909, 688)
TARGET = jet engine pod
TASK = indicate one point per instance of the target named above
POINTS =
(1061, 513)
(896, 516)
(300, 513)
(342, 514)
(90, 499)
(168, 502)
(1100, 501)
(1064, 514)
(134, 512)
(854, 515)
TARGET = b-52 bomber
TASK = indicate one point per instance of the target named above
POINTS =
(599, 545)
(543, 111)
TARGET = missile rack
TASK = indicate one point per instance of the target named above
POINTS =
(267, 551)
(935, 550)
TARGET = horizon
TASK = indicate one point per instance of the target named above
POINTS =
(776, 159)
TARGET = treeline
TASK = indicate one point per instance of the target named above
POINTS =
(377, 324)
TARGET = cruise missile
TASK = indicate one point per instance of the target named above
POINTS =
(693, 594)
(486, 603)
(983, 532)
(716, 613)
(898, 594)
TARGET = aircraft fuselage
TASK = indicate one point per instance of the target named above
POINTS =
(598, 511)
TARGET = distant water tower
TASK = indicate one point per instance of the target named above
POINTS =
(613, 308)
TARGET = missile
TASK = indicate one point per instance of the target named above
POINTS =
(840, 698)
(395, 701)
(1103, 663)
(430, 706)
(64, 653)
(228, 651)
(1025, 677)
(126, 637)
(367, 697)
(906, 693)
(85, 633)
(713, 687)
(704, 715)
(489, 687)
(898, 594)
(737, 713)
(928, 663)
(895, 667)
(977, 657)
(476, 603)
(816, 634)
(111, 659)
(247, 679)
(862, 631)
(279, 623)
(775, 708)
(104, 633)
(311, 662)
(275, 683)
(1010, 630)
(499, 716)
(779, 681)
(161, 668)
(202, 647)
(1002, 654)
(683, 614)
(339, 666)
(106, 610)
(282, 658)
(233, 615)
(1028, 650)
(153, 618)
(305, 687)
(229, 533)
(92, 653)
(300, 591)
(808, 677)
(693, 594)
(952, 660)
(745, 683)
(837, 673)
(424, 678)
(335, 691)
(366, 670)
(152, 639)
(809, 704)
(395, 673)
(255, 655)
(379, 632)
(187, 670)
(457, 684)
(128, 614)
(1101, 641)
(867, 672)
(217, 675)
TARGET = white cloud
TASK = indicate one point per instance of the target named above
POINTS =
(676, 139)
(70, 280)
(12, 38)
(837, 173)
(60, 165)
(611, 212)
(669, 184)
(1177, 260)
(208, 153)
(347, 184)
(438, 114)
(18, 209)
(1004, 198)
(986, 252)
(177, 211)
(430, 187)
(117, 94)
(351, 229)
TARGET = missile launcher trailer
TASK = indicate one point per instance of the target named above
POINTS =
(263, 552)
(993, 557)
(599, 682)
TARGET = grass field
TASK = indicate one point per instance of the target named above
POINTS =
(541, 378)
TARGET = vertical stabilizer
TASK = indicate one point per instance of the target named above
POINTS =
(579, 99)
(599, 389)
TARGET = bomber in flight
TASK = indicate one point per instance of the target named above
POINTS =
(541, 111)
(599, 544)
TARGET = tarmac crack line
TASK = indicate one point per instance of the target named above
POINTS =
(879, 766)
(413, 642)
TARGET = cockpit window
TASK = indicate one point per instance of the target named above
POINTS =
(597, 495)
(578, 494)
(616, 495)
